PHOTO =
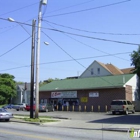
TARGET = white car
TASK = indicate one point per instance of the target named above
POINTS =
(4, 115)
(20, 106)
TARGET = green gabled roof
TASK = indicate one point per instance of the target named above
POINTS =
(87, 83)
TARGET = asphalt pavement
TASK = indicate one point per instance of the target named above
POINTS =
(88, 120)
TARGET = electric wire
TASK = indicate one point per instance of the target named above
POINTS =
(14, 47)
(95, 38)
(19, 9)
(90, 37)
(88, 31)
(70, 6)
(62, 61)
(89, 45)
(84, 10)
(74, 58)
(64, 32)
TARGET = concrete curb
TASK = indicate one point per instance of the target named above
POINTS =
(44, 124)
(21, 121)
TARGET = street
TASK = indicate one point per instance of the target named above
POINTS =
(72, 126)
(20, 131)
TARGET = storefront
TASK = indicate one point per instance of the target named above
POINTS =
(65, 98)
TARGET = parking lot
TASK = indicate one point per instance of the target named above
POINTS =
(95, 117)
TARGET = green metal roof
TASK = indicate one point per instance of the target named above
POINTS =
(87, 83)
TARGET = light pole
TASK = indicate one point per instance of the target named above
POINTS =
(32, 63)
(32, 69)
(42, 2)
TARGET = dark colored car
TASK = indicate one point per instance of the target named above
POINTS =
(9, 106)
(46, 107)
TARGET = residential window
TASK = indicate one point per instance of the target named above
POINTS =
(98, 70)
(92, 71)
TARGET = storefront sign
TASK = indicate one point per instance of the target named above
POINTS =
(64, 94)
(93, 94)
(84, 99)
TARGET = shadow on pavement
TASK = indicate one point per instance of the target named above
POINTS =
(120, 119)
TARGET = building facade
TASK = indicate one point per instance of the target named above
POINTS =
(92, 94)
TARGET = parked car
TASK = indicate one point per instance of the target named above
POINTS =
(122, 106)
(28, 107)
(20, 106)
(46, 107)
(9, 106)
(4, 115)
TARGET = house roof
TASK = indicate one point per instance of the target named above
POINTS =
(25, 86)
(87, 83)
(127, 70)
(114, 70)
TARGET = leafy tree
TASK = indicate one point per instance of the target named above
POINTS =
(135, 58)
(47, 81)
(7, 88)
(19, 82)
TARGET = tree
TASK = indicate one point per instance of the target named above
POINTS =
(135, 58)
(7, 88)
(48, 81)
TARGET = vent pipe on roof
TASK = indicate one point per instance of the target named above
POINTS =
(123, 79)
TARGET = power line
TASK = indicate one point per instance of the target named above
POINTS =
(87, 30)
(74, 58)
(16, 22)
(71, 6)
(63, 49)
(61, 61)
(19, 9)
(89, 45)
(15, 47)
(84, 10)
(90, 37)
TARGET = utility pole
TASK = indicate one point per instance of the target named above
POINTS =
(42, 2)
(32, 69)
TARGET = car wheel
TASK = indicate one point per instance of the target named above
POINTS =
(7, 120)
(17, 109)
(126, 112)
(133, 111)
(113, 113)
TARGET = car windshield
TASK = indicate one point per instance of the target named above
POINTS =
(117, 103)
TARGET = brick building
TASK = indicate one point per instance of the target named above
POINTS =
(92, 93)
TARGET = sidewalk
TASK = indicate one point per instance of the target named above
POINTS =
(80, 124)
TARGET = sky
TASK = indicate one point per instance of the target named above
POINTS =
(78, 32)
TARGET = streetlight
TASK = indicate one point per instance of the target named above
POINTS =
(42, 2)
(46, 43)
(32, 63)
(11, 19)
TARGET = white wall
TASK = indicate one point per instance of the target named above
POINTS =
(132, 82)
(95, 65)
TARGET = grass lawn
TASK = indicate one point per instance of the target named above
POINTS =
(41, 119)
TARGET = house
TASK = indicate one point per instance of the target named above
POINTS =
(23, 94)
(96, 87)
(100, 69)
